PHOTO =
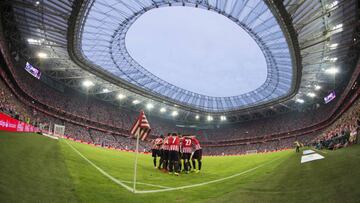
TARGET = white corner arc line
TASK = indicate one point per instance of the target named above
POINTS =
(205, 183)
(102, 171)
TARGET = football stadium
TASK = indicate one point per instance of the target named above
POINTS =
(179, 100)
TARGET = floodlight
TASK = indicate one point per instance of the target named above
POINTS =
(87, 83)
(149, 106)
(317, 87)
(136, 101)
(311, 94)
(174, 113)
(121, 96)
(42, 55)
(331, 71)
(300, 101)
(163, 110)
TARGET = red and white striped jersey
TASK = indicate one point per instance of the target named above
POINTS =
(186, 145)
(196, 143)
(174, 142)
(165, 145)
(157, 143)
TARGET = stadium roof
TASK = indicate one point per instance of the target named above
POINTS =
(102, 42)
(311, 41)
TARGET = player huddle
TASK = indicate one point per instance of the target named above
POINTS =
(175, 152)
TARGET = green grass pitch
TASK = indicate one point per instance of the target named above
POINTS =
(34, 168)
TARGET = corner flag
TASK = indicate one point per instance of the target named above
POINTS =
(141, 127)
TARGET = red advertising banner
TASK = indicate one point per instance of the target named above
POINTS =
(10, 124)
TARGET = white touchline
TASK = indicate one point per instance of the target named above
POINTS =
(101, 171)
(121, 183)
(148, 184)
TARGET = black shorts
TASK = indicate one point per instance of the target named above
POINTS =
(186, 156)
(197, 154)
(165, 154)
(155, 152)
(174, 156)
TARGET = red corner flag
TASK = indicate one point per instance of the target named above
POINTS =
(141, 127)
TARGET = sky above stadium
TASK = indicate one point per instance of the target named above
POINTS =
(197, 50)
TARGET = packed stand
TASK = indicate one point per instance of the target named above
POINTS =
(343, 132)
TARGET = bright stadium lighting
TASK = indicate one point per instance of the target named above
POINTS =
(317, 87)
(333, 59)
(42, 55)
(149, 106)
(174, 113)
(87, 83)
(338, 26)
(121, 96)
(37, 2)
(300, 101)
(332, 71)
(197, 117)
(105, 90)
(333, 46)
(33, 41)
(136, 101)
(163, 110)
(209, 118)
(311, 94)
(332, 5)
(223, 118)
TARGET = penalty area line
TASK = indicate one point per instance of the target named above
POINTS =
(121, 183)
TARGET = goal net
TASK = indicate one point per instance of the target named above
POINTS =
(251, 151)
(59, 130)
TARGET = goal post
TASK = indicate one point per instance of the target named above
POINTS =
(59, 130)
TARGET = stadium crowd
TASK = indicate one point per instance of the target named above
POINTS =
(109, 115)
(343, 132)
(90, 109)
(261, 146)
(93, 121)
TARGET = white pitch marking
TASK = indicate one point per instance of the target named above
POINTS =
(101, 171)
(205, 183)
(148, 184)
(121, 183)
(168, 188)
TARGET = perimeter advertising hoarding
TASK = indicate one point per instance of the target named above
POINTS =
(12, 125)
